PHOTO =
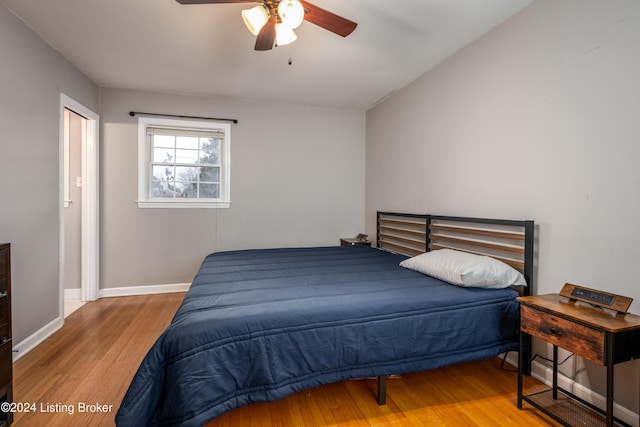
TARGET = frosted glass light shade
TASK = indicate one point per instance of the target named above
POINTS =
(291, 13)
(284, 35)
(255, 18)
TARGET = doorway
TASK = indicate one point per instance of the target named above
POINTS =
(78, 205)
(72, 176)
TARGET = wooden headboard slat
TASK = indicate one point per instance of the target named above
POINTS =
(477, 231)
(477, 243)
(422, 234)
(518, 265)
(419, 243)
(404, 250)
(402, 222)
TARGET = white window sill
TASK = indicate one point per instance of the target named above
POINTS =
(163, 204)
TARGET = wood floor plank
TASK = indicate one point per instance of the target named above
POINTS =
(93, 358)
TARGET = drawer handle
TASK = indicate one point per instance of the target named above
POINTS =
(3, 294)
(554, 331)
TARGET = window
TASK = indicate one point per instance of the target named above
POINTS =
(183, 164)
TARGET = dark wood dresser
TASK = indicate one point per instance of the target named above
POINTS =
(6, 389)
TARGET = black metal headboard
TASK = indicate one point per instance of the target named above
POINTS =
(510, 241)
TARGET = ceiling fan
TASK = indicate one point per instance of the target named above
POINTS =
(273, 21)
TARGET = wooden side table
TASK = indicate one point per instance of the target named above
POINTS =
(592, 333)
(348, 242)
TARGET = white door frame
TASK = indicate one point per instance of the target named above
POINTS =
(89, 204)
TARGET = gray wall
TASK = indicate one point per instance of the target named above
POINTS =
(297, 179)
(536, 120)
(32, 76)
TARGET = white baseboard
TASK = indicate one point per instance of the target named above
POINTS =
(544, 374)
(75, 293)
(143, 290)
(31, 342)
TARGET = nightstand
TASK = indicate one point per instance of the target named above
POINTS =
(597, 335)
(350, 242)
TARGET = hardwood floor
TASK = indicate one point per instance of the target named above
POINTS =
(92, 359)
(470, 394)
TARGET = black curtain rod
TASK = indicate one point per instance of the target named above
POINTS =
(133, 113)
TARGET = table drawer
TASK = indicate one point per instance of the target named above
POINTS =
(579, 339)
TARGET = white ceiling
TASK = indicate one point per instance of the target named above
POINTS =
(160, 45)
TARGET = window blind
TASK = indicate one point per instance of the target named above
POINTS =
(154, 130)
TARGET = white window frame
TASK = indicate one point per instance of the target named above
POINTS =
(144, 164)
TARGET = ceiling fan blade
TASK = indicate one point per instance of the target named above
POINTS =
(327, 20)
(267, 35)
(214, 1)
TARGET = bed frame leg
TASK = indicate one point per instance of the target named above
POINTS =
(382, 390)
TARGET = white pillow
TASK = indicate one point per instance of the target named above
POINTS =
(465, 269)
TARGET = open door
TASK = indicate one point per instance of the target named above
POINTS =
(78, 122)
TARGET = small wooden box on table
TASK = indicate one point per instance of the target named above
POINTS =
(605, 338)
(348, 242)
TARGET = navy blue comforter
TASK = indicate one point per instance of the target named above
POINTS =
(258, 325)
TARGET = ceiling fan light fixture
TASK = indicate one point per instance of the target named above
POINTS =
(255, 18)
(263, 19)
(291, 13)
(284, 35)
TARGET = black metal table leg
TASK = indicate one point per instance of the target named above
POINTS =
(555, 372)
(609, 403)
(521, 362)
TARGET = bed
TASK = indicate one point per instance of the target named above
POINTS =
(258, 325)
